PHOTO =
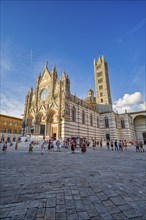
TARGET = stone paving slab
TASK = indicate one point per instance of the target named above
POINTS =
(98, 185)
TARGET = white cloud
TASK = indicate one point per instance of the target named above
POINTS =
(5, 64)
(130, 102)
(138, 26)
(11, 106)
(132, 31)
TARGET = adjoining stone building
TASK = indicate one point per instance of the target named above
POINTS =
(52, 111)
(10, 128)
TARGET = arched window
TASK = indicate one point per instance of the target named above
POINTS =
(73, 114)
(15, 131)
(83, 117)
(116, 122)
(101, 100)
(122, 123)
(97, 122)
(9, 131)
(91, 120)
(106, 122)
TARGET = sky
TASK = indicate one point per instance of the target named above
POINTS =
(70, 34)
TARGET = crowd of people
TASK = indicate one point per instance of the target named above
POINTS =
(74, 143)
(83, 144)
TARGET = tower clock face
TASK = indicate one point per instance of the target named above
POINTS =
(44, 94)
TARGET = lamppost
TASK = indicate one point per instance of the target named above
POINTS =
(23, 127)
(78, 122)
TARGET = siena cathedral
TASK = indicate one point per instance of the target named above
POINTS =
(52, 111)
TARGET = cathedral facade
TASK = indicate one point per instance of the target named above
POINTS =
(52, 111)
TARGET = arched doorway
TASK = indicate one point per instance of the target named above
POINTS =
(40, 127)
(140, 128)
(14, 139)
(29, 125)
(52, 124)
(8, 139)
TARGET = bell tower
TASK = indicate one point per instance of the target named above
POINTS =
(102, 86)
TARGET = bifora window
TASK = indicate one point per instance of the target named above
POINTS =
(116, 122)
(101, 87)
(122, 123)
(99, 74)
(100, 80)
(83, 117)
(97, 122)
(73, 114)
(106, 122)
(91, 119)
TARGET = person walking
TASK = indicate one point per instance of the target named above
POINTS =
(107, 144)
(94, 145)
(125, 145)
(141, 147)
(49, 145)
(54, 145)
(137, 146)
(16, 145)
(43, 148)
(101, 143)
(30, 148)
(83, 149)
(58, 146)
(4, 149)
(72, 146)
(112, 145)
(116, 145)
(122, 145)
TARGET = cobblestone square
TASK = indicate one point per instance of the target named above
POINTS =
(99, 184)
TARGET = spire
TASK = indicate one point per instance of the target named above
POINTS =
(99, 59)
(54, 69)
(94, 62)
(102, 58)
(54, 72)
(63, 74)
(46, 66)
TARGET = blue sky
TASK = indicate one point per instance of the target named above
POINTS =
(71, 34)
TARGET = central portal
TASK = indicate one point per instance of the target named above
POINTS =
(42, 129)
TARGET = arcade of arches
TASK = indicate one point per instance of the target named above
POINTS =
(140, 127)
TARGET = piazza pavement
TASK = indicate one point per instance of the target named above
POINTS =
(97, 185)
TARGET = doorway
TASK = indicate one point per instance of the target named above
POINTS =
(54, 132)
(42, 129)
(8, 139)
(54, 135)
(144, 137)
(108, 137)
